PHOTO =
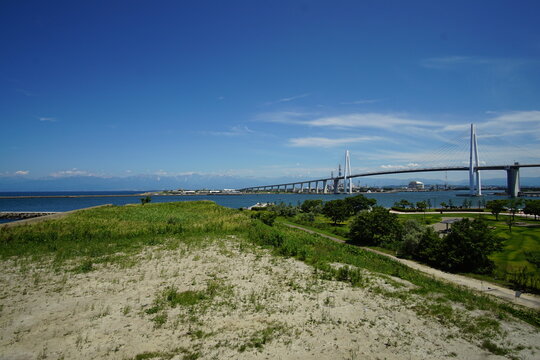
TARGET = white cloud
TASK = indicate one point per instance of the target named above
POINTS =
(285, 117)
(233, 131)
(328, 142)
(360, 102)
(504, 125)
(22, 172)
(72, 172)
(50, 119)
(288, 99)
(391, 122)
(369, 120)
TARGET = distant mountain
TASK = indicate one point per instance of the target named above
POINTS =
(199, 181)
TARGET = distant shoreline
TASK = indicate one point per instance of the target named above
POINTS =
(65, 196)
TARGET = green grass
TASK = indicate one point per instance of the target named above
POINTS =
(112, 234)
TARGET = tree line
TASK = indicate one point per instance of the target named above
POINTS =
(465, 249)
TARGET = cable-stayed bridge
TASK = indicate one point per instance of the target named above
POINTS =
(332, 184)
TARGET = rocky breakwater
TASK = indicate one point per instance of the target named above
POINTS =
(23, 214)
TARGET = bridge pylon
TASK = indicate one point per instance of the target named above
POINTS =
(347, 175)
(475, 186)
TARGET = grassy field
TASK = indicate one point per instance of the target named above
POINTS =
(111, 236)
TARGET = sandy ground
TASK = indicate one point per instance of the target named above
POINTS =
(265, 307)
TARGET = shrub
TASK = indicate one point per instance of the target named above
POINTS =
(267, 217)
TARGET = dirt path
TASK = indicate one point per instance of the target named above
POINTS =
(528, 300)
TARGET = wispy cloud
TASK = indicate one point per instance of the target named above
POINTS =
(71, 172)
(287, 99)
(360, 102)
(49, 119)
(233, 131)
(328, 142)
(22, 172)
(286, 117)
(504, 125)
(354, 120)
(369, 120)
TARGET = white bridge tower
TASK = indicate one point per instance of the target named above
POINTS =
(347, 175)
(475, 187)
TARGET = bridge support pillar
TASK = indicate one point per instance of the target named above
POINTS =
(336, 186)
(316, 187)
(512, 181)
(325, 187)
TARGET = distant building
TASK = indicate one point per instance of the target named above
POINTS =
(416, 185)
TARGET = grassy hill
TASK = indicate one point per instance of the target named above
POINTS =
(196, 280)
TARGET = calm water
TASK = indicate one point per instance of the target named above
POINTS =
(232, 201)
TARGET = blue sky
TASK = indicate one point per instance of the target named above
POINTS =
(263, 89)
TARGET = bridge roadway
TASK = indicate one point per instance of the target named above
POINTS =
(512, 177)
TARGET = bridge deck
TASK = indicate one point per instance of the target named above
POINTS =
(400, 171)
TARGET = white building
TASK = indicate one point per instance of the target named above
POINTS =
(416, 185)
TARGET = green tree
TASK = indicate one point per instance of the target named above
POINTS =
(509, 220)
(496, 207)
(532, 207)
(421, 205)
(513, 206)
(314, 205)
(376, 227)
(412, 231)
(467, 247)
(337, 210)
(359, 203)
(403, 204)
(426, 247)
(145, 200)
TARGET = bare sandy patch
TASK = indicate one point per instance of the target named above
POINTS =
(226, 300)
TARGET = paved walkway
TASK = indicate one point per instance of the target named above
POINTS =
(528, 300)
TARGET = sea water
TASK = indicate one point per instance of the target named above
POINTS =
(231, 201)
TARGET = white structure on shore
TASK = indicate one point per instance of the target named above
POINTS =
(416, 185)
